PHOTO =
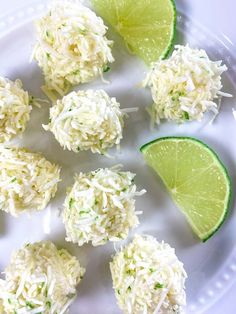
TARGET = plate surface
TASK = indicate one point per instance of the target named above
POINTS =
(211, 266)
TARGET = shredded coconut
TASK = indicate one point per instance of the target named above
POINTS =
(15, 108)
(71, 46)
(27, 180)
(100, 206)
(234, 113)
(87, 120)
(40, 279)
(185, 86)
(148, 278)
(1, 305)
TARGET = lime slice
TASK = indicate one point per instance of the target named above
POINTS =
(196, 179)
(147, 26)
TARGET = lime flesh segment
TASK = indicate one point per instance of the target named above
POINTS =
(147, 26)
(196, 179)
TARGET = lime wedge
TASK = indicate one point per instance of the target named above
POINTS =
(196, 179)
(147, 26)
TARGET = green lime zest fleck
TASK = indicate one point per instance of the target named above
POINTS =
(186, 115)
(48, 304)
(158, 285)
(106, 69)
(71, 203)
(30, 305)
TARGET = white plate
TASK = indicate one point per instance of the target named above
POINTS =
(211, 266)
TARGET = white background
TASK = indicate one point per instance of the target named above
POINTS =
(219, 17)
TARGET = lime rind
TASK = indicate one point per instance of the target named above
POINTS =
(228, 196)
(171, 43)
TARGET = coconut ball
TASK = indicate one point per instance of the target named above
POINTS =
(87, 120)
(185, 86)
(100, 206)
(71, 46)
(148, 277)
(15, 108)
(40, 279)
(27, 180)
